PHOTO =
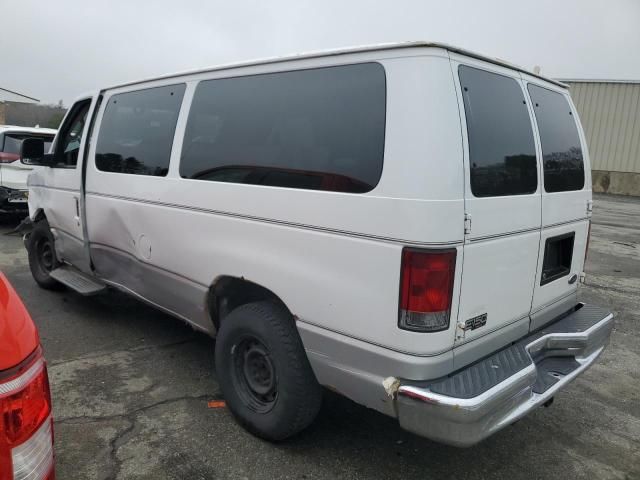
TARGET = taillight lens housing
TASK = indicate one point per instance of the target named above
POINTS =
(26, 435)
(8, 157)
(426, 289)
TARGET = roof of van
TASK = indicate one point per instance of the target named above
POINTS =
(345, 51)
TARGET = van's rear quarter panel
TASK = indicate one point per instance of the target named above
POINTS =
(345, 283)
(333, 258)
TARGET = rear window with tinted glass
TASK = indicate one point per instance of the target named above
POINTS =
(561, 150)
(502, 154)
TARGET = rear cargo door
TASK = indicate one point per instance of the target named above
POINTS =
(566, 200)
(502, 199)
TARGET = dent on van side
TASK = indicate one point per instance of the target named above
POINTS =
(403, 224)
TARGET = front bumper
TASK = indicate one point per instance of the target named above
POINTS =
(469, 405)
(13, 201)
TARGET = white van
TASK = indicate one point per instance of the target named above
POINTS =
(403, 224)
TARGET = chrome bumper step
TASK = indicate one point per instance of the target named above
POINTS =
(551, 370)
(471, 404)
(479, 377)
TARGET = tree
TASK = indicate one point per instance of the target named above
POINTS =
(55, 120)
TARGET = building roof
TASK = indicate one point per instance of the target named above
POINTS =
(7, 95)
(597, 80)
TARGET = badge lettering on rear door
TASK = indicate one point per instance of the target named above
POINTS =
(476, 322)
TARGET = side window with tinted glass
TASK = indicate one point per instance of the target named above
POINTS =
(502, 154)
(137, 129)
(561, 150)
(316, 129)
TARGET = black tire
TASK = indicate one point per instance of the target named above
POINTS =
(264, 372)
(42, 256)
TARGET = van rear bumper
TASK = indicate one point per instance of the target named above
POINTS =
(469, 405)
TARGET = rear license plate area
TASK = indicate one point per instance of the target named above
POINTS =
(558, 252)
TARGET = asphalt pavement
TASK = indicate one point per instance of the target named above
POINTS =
(133, 391)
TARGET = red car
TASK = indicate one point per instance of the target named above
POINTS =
(26, 422)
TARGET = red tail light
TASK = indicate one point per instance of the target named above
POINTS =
(426, 288)
(8, 157)
(26, 436)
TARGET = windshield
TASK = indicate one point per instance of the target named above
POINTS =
(13, 142)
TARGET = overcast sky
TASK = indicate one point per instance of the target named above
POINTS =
(59, 49)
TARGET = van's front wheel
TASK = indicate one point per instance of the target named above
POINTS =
(264, 373)
(42, 256)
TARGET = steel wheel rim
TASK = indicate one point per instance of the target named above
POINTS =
(45, 253)
(254, 374)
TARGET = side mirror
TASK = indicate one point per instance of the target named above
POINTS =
(32, 152)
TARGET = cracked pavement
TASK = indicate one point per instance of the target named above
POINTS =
(130, 389)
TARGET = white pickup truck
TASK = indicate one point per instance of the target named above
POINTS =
(404, 224)
(13, 173)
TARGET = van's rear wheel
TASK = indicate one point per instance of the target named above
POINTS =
(42, 256)
(264, 373)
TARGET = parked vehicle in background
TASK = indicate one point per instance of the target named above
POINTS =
(26, 423)
(13, 173)
(404, 224)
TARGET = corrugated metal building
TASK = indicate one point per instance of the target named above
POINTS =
(610, 115)
(11, 96)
